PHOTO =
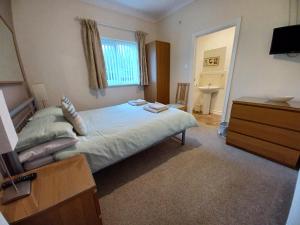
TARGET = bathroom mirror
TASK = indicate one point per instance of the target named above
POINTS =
(10, 70)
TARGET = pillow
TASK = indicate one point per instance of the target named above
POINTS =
(38, 163)
(66, 100)
(54, 111)
(43, 129)
(74, 118)
(46, 149)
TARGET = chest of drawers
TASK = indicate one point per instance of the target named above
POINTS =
(265, 128)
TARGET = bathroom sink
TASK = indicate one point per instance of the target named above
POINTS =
(209, 89)
(207, 93)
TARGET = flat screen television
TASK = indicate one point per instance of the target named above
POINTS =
(286, 40)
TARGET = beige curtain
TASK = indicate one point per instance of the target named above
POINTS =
(94, 55)
(141, 40)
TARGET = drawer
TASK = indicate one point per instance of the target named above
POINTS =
(273, 117)
(266, 149)
(285, 137)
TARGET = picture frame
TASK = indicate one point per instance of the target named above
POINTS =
(211, 61)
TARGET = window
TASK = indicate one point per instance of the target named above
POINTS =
(121, 62)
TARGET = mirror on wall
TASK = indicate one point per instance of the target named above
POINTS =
(10, 70)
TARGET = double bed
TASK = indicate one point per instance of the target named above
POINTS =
(117, 132)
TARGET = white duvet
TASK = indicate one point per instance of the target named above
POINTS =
(117, 132)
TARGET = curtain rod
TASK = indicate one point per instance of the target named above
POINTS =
(110, 26)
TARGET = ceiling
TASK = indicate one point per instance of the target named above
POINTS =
(152, 10)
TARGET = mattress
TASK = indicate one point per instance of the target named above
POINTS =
(117, 132)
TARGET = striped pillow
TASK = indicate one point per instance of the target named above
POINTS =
(66, 100)
(74, 118)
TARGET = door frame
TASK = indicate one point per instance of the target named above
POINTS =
(234, 23)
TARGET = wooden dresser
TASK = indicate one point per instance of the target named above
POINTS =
(158, 65)
(63, 193)
(265, 128)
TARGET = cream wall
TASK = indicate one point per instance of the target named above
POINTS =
(215, 40)
(256, 73)
(50, 44)
(14, 94)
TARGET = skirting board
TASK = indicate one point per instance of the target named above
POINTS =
(197, 108)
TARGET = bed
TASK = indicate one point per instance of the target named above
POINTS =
(117, 132)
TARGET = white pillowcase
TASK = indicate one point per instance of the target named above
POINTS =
(74, 118)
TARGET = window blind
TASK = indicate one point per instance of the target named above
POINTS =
(121, 62)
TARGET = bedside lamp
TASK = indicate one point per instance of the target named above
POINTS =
(8, 142)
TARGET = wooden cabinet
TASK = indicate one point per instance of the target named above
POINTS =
(158, 60)
(63, 193)
(266, 128)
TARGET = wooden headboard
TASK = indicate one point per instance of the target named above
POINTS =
(22, 113)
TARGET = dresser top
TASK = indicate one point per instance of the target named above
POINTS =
(264, 102)
(55, 183)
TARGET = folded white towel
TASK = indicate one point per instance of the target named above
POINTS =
(158, 106)
(137, 102)
(148, 108)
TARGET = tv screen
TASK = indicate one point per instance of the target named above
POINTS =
(286, 40)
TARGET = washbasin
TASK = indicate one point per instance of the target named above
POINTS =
(207, 93)
(209, 89)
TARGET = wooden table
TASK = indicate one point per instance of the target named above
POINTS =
(63, 193)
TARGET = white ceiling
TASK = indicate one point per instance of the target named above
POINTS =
(153, 10)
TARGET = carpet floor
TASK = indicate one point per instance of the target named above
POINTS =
(204, 182)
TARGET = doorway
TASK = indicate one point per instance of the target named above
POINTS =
(214, 57)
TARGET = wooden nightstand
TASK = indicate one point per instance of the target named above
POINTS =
(63, 193)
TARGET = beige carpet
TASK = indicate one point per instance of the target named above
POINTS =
(203, 182)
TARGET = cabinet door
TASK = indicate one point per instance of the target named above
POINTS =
(150, 90)
(163, 72)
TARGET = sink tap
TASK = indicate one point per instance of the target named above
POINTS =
(209, 84)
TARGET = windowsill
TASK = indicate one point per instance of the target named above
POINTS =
(123, 85)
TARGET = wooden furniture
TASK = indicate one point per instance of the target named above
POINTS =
(265, 128)
(158, 64)
(182, 95)
(64, 193)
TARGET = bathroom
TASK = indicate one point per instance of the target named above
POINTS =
(213, 58)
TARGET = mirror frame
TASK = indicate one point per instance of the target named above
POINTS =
(17, 53)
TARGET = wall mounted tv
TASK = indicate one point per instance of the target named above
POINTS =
(286, 40)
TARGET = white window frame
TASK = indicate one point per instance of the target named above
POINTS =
(137, 83)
